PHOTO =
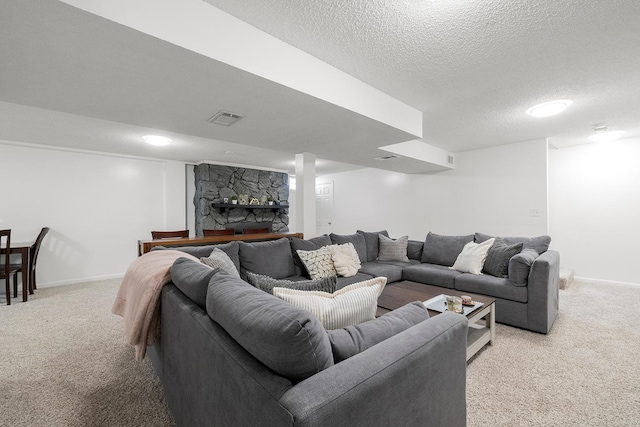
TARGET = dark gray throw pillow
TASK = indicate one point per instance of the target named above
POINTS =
(266, 283)
(540, 243)
(443, 250)
(192, 278)
(497, 261)
(289, 340)
(354, 339)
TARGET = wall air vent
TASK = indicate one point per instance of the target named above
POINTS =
(225, 118)
(450, 160)
(389, 157)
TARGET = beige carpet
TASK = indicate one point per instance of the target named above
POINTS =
(63, 362)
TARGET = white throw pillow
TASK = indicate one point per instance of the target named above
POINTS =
(471, 259)
(345, 259)
(350, 305)
(318, 263)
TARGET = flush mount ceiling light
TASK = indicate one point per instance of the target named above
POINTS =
(157, 140)
(603, 134)
(550, 108)
(388, 157)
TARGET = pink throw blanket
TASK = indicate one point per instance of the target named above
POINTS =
(139, 294)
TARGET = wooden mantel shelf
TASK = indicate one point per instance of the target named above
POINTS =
(224, 206)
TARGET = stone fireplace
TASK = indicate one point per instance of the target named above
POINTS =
(214, 183)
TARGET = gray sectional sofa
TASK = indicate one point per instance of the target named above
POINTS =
(220, 367)
(230, 354)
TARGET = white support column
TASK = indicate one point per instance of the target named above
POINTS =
(306, 194)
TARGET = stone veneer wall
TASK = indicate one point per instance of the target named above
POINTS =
(214, 182)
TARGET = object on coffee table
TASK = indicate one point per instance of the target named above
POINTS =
(466, 300)
(454, 304)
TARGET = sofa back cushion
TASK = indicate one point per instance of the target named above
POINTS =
(192, 278)
(414, 249)
(443, 250)
(231, 249)
(356, 239)
(288, 340)
(354, 339)
(306, 245)
(272, 258)
(371, 243)
(540, 243)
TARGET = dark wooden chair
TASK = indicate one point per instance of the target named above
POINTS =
(33, 258)
(256, 230)
(169, 234)
(211, 232)
(6, 268)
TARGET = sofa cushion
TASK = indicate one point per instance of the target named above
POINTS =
(306, 245)
(443, 250)
(192, 278)
(356, 239)
(414, 249)
(345, 259)
(431, 274)
(272, 258)
(350, 305)
(230, 249)
(371, 242)
(540, 243)
(318, 263)
(219, 259)
(496, 287)
(346, 281)
(287, 339)
(471, 259)
(520, 265)
(355, 339)
(266, 283)
(393, 272)
(497, 262)
(393, 249)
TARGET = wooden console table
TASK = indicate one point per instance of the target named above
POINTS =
(145, 246)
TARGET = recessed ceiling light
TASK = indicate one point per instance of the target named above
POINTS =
(550, 108)
(606, 136)
(157, 140)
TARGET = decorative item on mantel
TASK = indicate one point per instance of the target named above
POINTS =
(254, 201)
(243, 199)
(270, 201)
(234, 200)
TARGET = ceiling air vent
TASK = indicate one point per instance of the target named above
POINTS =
(225, 118)
(389, 157)
(450, 160)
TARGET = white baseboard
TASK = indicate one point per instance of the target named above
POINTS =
(604, 282)
(82, 280)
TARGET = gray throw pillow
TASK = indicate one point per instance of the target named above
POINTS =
(497, 261)
(192, 278)
(520, 265)
(356, 239)
(443, 250)
(371, 242)
(272, 258)
(287, 339)
(354, 339)
(219, 259)
(266, 283)
(393, 250)
(230, 249)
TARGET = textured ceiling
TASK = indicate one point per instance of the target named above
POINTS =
(473, 67)
(74, 79)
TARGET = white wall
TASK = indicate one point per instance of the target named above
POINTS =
(97, 207)
(490, 190)
(595, 206)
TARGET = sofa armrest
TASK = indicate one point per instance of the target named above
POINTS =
(416, 377)
(543, 291)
